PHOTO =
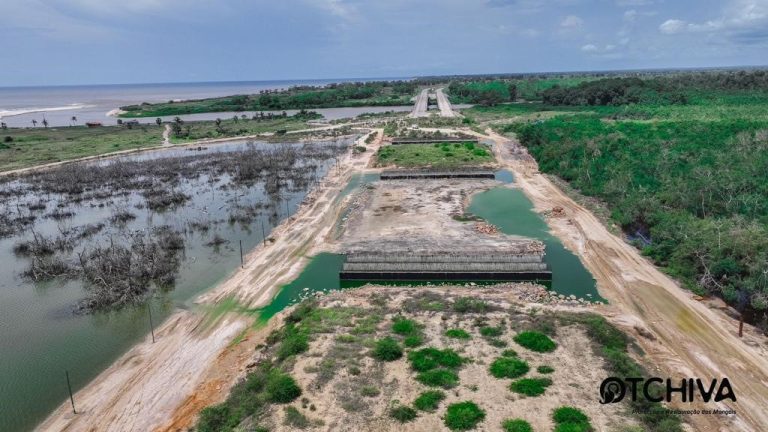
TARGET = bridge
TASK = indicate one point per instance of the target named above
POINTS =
(421, 107)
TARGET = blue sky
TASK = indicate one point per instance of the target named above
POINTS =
(120, 41)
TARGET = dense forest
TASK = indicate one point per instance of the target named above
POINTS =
(375, 93)
(488, 93)
(688, 183)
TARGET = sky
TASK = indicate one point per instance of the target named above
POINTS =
(52, 42)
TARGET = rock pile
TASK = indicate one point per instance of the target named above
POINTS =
(486, 228)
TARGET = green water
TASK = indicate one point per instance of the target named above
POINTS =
(512, 212)
(320, 275)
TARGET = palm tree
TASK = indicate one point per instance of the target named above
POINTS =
(34, 123)
(3, 126)
(45, 123)
(159, 121)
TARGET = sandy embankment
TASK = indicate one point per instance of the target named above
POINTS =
(157, 386)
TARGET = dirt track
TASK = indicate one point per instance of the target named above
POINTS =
(693, 339)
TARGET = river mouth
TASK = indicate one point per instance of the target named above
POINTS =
(41, 337)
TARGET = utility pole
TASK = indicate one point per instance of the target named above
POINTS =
(263, 235)
(71, 399)
(151, 325)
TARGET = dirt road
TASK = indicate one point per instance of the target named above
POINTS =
(692, 339)
(162, 386)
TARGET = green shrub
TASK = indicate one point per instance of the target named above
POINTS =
(413, 341)
(509, 367)
(509, 353)
(295, 418)
(403, 414)
(531, 386)
(568, 414)
(468, 304)
(535, 341)
(438, 378)
(516, 425)
(294, 342)
(215, 419)
(281, 388)
(430, 358)
(569, 419)
(429, 400)
(463, 416)
(405, 327)
(387, 349)
(545, 369)
(457, 334)
(491, 331)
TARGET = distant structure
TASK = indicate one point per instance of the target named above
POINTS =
(93, 124)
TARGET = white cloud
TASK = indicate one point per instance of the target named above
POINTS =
(571, 22)
(589, 48)
(741, 20)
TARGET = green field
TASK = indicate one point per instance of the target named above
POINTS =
(686, 182)
(382, 93)
(231, 128)
(25, 147)
(439, 155)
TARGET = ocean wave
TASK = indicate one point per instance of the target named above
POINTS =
(22, 111)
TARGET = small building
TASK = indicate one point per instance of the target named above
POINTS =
(93, 124)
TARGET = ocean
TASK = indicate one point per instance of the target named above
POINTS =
(92, 103)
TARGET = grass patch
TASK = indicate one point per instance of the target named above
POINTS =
(429, 400)
(508, 367)
(531, 386)
(430, 358)
(457, 334)
(535, 341)
(403, 414)
(445, 155)
(387, 349)
(569, 419)
(369, 391)
(439, 378)
(463, 416)
(295, 419)
(509, 353)
(282, 388)
(470, 305)
(491, 331)
(405, 327)
(516, 425)
(413, 341)
(544, 369)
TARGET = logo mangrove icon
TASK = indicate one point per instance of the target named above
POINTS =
(614, 389)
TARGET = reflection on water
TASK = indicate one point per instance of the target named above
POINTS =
(40, 337)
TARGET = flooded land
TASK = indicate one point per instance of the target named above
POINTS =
(89, 247)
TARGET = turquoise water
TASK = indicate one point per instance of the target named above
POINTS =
(512, 212)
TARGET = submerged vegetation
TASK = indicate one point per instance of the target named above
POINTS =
(121, 259)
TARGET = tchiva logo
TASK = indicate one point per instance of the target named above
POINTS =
(613, 389)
